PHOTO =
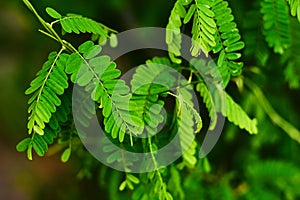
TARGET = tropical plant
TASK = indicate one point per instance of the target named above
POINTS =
(132, 113)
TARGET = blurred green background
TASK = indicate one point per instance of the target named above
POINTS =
(22, 52)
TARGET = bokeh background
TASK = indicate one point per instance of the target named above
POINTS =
(23, 50)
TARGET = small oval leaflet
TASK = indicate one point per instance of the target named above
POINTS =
(23, 145)
(113, 40)
(53, 13)
(66, 155)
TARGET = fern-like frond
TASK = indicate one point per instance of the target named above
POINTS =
(237, 115)
(39, 143)
(98, 74)
(154, 184)
(86, 109)
(204, 27)
(295, 8)
(212, 98)
(185, 97)
(188, 123)
(228, 41)
(51, 81)
(255, 44)
(173, 33)
(276, 24)
(78, 24)
(117, 156)
(216, 103)
(147, 83)
(292, 57)
(175, 184)
(207, 99)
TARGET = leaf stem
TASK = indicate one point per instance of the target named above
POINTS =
(160, 178)
(47, 34)
(46, 25)
(270, 111)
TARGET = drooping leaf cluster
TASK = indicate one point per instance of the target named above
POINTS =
(276, 24)
(213, 32)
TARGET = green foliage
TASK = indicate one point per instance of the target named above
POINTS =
(39, 143)
(213, 29)
(292, 58)
(175, 185)
(218, 101)
(295, 8)
(98, 74)
(145, 98)
(77, 23)
(159, 102)
(269, 176)
(173, 33)
(129, 182)
(255, 45)
(155, 186)
(187, 118)
(207, 99)
(228, 42)
(237, 115)
(203, 39)
(276, 24)
(50, 82)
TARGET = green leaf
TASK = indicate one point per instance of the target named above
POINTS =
(55, 86)
(187, 118)
(203, 29)
(38, 130)
(238, 116)
(53, 13)
(29, 152)
(74, 63)
(113, 40)
(113, 157)
(173, 34)
(122, 186)
(235, 47)
(206, 165)
(132, 178)
(85, 78)
(147, 82)
(39, 145)
(98, 75)
(189, 14)
(276, 24)
(51, 81)
(78, 24)
(66, 155)
(227, 40)
(92, 52)
(23, 144)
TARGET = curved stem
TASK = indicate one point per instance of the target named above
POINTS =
(270, 111)
(46, 25)
(160, 178)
